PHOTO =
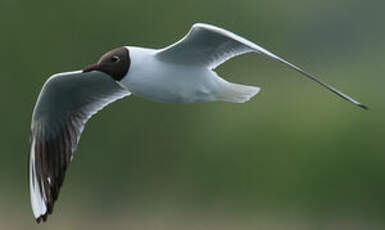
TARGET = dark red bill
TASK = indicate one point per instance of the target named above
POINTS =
(91, 68)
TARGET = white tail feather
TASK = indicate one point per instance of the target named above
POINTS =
(237, 93)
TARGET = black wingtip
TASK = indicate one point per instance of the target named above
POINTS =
(363, 106)
(42, 218)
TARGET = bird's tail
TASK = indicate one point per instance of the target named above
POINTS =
(236, 93)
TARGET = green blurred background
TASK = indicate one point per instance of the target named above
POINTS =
(294, 157)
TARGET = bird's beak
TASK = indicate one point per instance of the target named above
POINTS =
(91, 68)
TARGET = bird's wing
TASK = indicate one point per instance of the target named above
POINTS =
(65, 103)
(210, 46)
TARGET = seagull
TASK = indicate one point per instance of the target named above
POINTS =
(181, 73)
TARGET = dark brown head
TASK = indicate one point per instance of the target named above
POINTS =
(114, 63)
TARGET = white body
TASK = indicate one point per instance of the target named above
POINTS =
(183, 72)
(152, 78)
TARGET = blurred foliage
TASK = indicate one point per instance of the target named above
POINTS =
(294, 150)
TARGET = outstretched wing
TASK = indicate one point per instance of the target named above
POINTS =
(210, 46)
(65, 103)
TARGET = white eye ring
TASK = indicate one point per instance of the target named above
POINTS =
(115, 59)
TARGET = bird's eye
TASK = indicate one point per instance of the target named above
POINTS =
(115, 59)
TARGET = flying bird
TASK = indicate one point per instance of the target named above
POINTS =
(181, 73)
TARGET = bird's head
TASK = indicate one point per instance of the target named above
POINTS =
(115, 63)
